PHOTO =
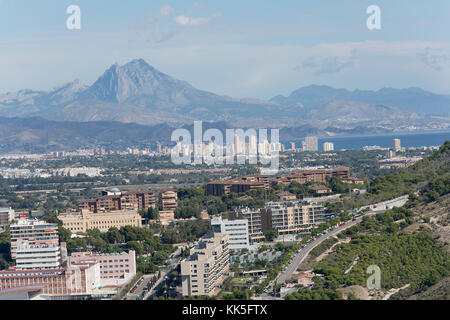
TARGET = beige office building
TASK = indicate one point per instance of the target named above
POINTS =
(205, 269)
(292, 217)
(81, 222)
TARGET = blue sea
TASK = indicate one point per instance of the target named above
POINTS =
(408, 139)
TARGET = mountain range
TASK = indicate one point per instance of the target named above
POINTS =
(138, 93)
(135, 92)
(409, 100)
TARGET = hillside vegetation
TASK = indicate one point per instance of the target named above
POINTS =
(408, 244)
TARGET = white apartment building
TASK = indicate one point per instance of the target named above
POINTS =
(6, 216)
(310, 144)
(73, 172)
(328, 146)
(397, 145)
(205, 269)
(35, 245)
(237, 230)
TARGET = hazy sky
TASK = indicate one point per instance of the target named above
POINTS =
(244, 48)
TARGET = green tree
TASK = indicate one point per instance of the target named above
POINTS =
(270, 235)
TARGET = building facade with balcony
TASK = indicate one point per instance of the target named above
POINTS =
(114, 200)
(168, 200)
(35, 245)
(293, 217)
(205, 269)
(236, 229)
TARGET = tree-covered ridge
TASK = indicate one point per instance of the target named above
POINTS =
(403, 258)
(414, 259)
(430, 175)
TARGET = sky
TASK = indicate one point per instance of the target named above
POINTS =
(249, 48)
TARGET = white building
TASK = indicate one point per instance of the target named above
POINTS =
(73, 172)
(35, 245)
(237, 230)
(206, 268)
(328, 146)
(6, 216)
(310, 143)
(397, 145)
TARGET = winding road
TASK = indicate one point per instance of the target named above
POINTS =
(286, 274)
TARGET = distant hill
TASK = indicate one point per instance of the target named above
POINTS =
(138, 93)
(41, 135)
(430, 176)
(410, 100)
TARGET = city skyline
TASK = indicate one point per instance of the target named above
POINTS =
(240, 153)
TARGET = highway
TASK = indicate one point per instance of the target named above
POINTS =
(138, 288)
(139, 292)
(154, 288)
(173, 264)
(301, 256)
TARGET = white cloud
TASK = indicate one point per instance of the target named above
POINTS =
(329, 64)
(166, 11)
(435, 58)
(155, 30)
(191, 21)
